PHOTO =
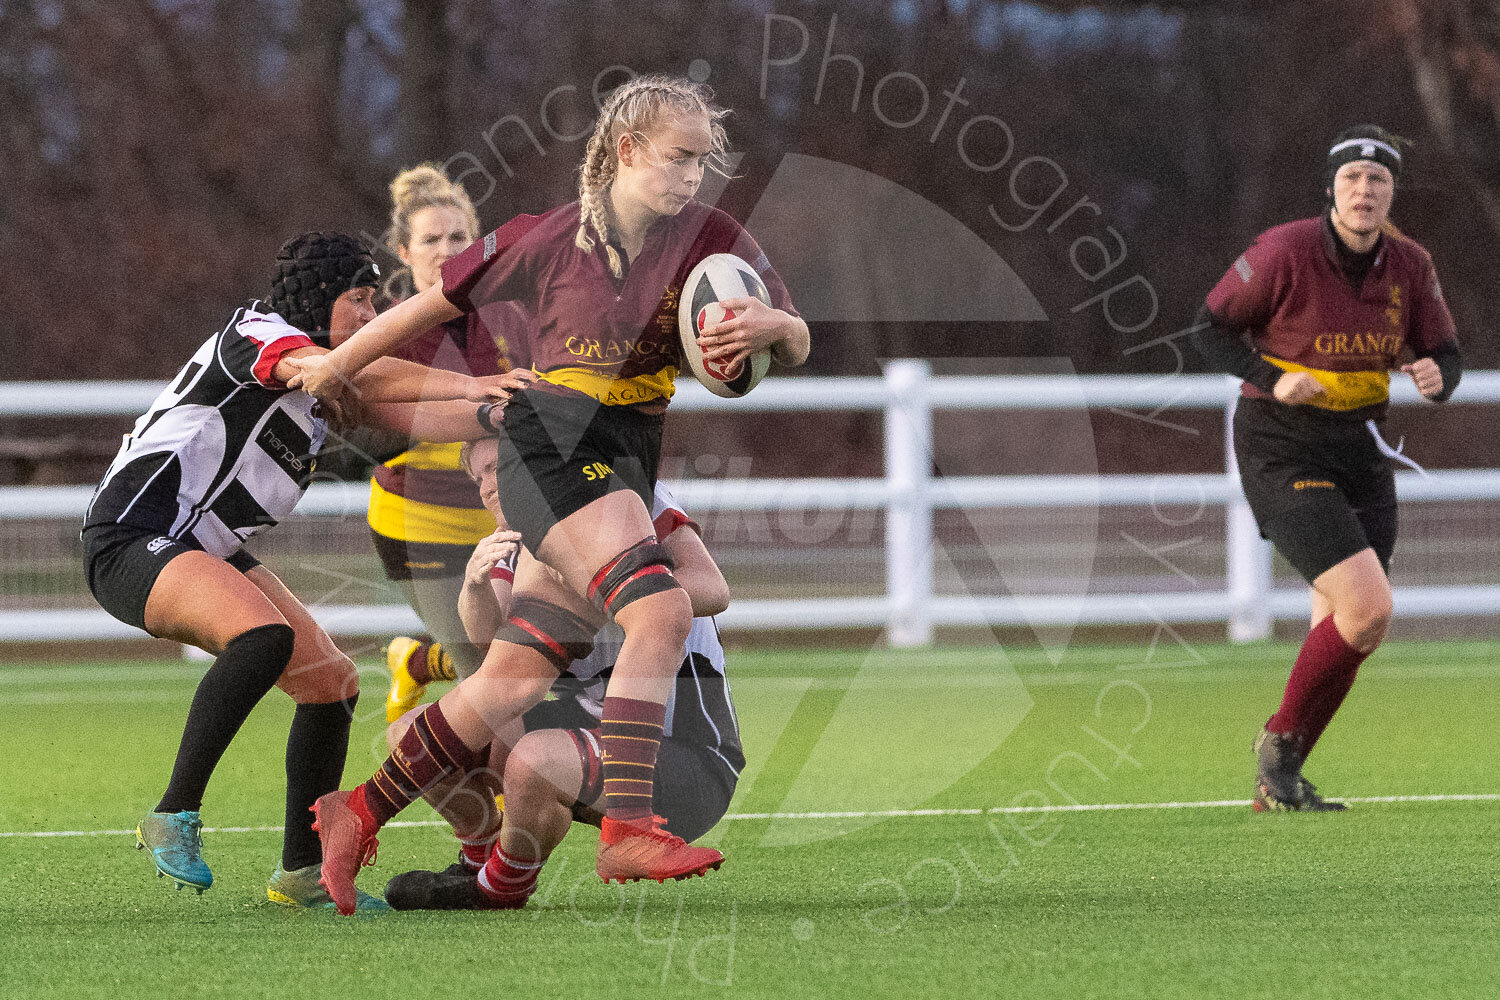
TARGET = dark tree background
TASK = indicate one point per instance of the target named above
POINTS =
(156, 153)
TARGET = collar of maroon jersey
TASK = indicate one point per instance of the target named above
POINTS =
(1331, 250)
(653, 233)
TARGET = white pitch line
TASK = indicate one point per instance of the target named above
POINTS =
(1102, 807)
(872, 814)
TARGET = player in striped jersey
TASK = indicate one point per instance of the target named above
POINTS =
(224, 452)
(554, 773)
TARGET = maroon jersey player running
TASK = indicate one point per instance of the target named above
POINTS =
(578, 458)
(1330, 306)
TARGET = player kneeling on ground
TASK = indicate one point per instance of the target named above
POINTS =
(549, 766)
(224, 453)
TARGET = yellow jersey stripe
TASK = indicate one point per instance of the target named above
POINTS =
(1342, 390)
(409, 520)
(613, 391)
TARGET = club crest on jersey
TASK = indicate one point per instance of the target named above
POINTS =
(490, 245)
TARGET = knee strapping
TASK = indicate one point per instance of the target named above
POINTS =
(551, 630)
(640, 571)
(591, 757)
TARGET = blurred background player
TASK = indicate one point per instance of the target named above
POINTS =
(578, 457)
(425, 515)
(224, 453)
(553, 775)
(1330, 305)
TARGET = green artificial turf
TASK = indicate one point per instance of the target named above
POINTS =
(1387, 900)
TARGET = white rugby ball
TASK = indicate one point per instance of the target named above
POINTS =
(716, 278)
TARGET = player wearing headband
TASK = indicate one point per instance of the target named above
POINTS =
(1314, 317)
(578, 460)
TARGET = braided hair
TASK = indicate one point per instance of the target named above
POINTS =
(633, 108)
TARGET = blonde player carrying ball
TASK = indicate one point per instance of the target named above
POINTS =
(578, 460)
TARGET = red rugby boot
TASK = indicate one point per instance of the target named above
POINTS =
(630, 851)
(348, 844)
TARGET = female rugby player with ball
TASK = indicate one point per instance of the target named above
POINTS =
(1330, 305)
(578, 457)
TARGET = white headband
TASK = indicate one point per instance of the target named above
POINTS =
(1371, 144)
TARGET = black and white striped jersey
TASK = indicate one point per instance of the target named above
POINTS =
(225, 451)
(699, 709)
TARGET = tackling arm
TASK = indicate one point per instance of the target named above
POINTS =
(327, 376)
(443, 422)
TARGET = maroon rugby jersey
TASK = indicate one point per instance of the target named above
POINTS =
(1289, 292)
(430, 473)
(613, 339)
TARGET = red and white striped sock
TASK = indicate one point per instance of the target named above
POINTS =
(505, 879)
(475, 851)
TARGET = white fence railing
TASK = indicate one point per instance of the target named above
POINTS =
(908, 394)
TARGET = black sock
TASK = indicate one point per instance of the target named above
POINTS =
(315, 752)
(248, 668)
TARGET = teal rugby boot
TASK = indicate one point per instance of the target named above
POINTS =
(175, 841)
(300, 889)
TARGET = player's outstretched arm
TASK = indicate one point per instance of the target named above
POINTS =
(396, 381)
(450, 421)
(328, 375)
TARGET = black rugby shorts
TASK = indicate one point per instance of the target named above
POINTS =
(1317, 484)
(122, 562)
(560, 453)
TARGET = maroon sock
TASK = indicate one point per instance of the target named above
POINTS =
(1321, 678)
(417, 665)
(630, 734)
(429, 751)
